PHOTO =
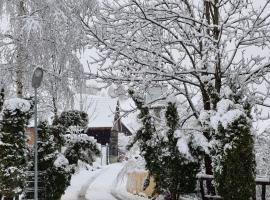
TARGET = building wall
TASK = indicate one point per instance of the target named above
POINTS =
(30, 134)
(102, 135)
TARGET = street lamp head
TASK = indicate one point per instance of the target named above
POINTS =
(37, 77)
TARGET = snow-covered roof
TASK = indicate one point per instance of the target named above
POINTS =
(100, 110)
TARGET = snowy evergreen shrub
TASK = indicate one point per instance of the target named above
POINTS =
(55, 166)
(69, 131)
(233, 151)
(72, 118)
(68, 122)
(58, 131)
(13, 148)
(62, 145)
(81, 147)
(174, 173)
(47, 148)
(59, 176)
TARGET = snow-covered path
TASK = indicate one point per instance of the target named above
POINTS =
(101, 187)
(100, 184)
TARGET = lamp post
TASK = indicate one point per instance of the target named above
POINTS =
(36, 82)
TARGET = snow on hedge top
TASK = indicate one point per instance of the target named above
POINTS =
(61, 161)
(77, 138)
(227, 113)
(100, 110)
(17, 104)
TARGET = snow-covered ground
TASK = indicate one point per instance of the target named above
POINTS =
(79, 184)
(100, 184)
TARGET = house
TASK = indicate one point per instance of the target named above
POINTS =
(104, 120)
(30, 134)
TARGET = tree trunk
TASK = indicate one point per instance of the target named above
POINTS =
(2, 98)
(55, 110)
(20, 51)
(207, 134)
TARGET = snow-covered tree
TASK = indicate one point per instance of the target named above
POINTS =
(81, 147)
(195, 48)
(53, 163)
(173, 161)
(13, 148)
(59, 176)
(174, 166)
(44, 33)
(233, 150)
(59, 163)
(73, 118)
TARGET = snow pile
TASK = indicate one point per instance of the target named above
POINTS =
(17, 104)
(227, 113)
(61, 161)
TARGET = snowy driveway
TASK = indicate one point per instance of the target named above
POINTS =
(101, 187)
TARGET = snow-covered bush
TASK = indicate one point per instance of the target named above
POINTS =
(13, 148)
(59, 176)
(62, 146)
(53, 163)
(174, 171)
(81, 147)
(233, 151)
(78, 146)
(72, 118)
(177, 163)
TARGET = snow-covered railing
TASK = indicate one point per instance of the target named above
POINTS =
(202, 178)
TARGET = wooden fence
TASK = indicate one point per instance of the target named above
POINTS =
(203, 178)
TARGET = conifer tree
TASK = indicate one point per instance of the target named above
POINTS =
(57, 176)
(57, 162)
(72, 118)
(13, 147)
(174, 173)
(81, 147)
(233, 151)
(178, 174)
(47, 150)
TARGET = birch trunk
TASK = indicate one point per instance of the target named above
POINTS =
(20, 51)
